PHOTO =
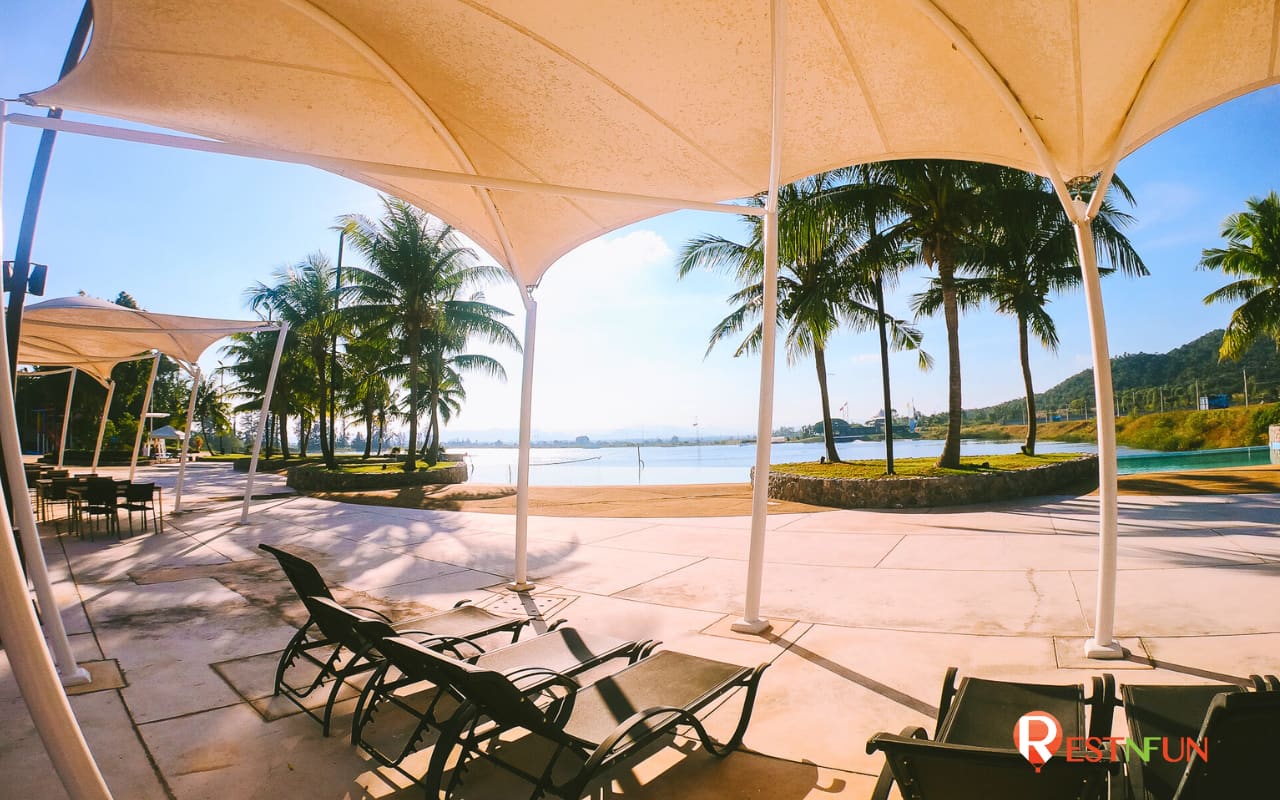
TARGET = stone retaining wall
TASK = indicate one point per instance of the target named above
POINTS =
(1079, 474)
(315, 478)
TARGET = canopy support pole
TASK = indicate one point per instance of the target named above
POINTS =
(102, 424)
(66, 418)
(281, 335)
(751, 621)
(182, 453)
(24, 645)
(142, 417)
(521, 582)
(1103, 644)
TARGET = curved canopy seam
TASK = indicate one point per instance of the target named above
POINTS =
(1140, 95)
(1275, 36)
(603, 79)
(1012, 104)
(242, 60)
(843, 41)
(1077, 63)
(325, 20)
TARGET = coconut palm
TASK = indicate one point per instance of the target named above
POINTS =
(368, 364)
(302, 295)
(938, 207)
(250, 369)
(1252, 255)
(211, 411)
(414, 292)
(1024, 251)
(814, 300)
(865, 202)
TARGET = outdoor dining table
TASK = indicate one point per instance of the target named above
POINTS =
(75, 493)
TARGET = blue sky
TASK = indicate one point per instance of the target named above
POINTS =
(620, 340)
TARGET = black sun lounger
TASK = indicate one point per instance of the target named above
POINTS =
(928, 770)
(981, 713)
(602, 724)
(343, 652)
(1222, 716)
(562, 651)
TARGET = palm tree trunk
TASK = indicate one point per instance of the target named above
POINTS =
(828, 435)
(414, 337)
(950, 457)
(436, 377)
(326, 442)
(284, 436)
(1028, 446)
(882, 323)
(368, 433)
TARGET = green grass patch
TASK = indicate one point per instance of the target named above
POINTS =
(222, 457)
(390, 466)
(922, 467)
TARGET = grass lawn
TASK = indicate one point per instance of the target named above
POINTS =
(384, 466)
(922, 467)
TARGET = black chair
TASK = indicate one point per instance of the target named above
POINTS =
(1239, 749)
(463, 622)
(603, 724)
(563, 651)
(56, 492)
(141, 497)
(1177, 714)
(928, 770)
(99, 500)
(978, 715)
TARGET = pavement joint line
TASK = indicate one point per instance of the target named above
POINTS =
(196, 712)
(889, 552)
(660, 576)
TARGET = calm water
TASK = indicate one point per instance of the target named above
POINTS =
(620, 466)
(652, 466)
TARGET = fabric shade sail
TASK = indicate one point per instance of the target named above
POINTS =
(94, 335)
(664, 98)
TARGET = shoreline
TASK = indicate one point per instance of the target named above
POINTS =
(734, 499)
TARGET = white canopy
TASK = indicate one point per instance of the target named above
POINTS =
(166, 432)
(94, 335)
(665, 98)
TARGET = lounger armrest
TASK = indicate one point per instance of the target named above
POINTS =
(549, 677)
(885, 782)
(444, 641)
(909, 732)
(372, 611)
(553, 626)
(948, 694)
(1103, 704)
(606, 747)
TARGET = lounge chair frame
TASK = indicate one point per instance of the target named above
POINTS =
(495, 704)
(381, 688)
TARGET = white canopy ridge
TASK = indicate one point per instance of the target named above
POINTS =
(661, 99)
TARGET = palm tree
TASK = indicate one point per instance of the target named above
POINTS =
(418, 271)
(252, 354)
(1253, 255)
(302, 295)
(813, 280)
(865, 201)
(367, 364)
(211, 412)
(938, 206)
(1024, 251)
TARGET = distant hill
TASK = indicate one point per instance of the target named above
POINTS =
(1140, 378)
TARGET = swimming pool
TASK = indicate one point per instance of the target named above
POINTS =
(1128, 464)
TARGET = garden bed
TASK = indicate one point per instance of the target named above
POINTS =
(315, 478)
(982, 479)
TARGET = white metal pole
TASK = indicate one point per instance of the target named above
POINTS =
(102, 424)
(521, 582)
(186, 437)
(1103, 644)
(142, 417)
(19, 629)
(751, 621)
(281, 335)
(66, 418)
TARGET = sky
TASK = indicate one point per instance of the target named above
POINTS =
(621, 345)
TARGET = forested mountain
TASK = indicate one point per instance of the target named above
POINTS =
(1142, 378)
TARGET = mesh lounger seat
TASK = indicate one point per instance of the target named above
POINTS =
(928, 770)
(336, 661)
(564, 651)
(602, 724)
(978, 715)
(1179, 712)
